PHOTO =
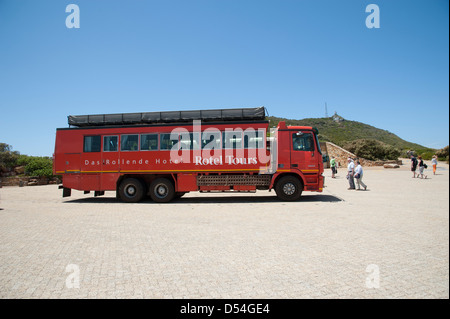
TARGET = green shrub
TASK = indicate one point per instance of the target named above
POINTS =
(443, 153)
(34, 165)
(23, 160)
(8, 157)
(427, 155)
(372, 149)
(38, 166)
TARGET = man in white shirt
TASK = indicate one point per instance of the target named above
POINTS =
(359, 176)
(350, 173)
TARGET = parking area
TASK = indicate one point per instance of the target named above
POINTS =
(391, 241)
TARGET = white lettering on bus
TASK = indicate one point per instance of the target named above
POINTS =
(208, 161)
(229, 160)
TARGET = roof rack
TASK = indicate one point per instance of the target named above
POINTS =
(239, 114)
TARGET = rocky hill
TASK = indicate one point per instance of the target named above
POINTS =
(340, 131)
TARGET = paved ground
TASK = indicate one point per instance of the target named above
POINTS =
(391, 241)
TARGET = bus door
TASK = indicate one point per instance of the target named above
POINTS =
(91, 163)
(304, 154)
(110, 162)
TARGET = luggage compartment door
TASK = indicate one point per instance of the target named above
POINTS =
(72, 163)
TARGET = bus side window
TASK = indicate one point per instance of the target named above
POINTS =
(92, 144)
(232, 139)
(110, 143)
(190, 141)
(210, 140)
(149, 142)
(166, 143)
(254, 139)
(129, 143)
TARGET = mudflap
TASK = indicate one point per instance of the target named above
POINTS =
(67, 192)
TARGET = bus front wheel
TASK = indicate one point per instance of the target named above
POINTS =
(289, 188)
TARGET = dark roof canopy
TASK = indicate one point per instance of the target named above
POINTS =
(241, 114)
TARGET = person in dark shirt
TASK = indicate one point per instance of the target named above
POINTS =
(414, 166)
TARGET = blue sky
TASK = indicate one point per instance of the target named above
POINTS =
(290, 56)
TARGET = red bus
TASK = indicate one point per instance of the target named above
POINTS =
(167, 154)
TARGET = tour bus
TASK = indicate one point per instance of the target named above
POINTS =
(165, 155)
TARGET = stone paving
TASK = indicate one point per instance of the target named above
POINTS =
(391, 241)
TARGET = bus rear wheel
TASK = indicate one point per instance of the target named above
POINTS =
(162, 190)
(289, 188)
(131, 190)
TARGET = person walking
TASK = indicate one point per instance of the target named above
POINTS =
(434, 162)
(359, 176)
(333, 167)
(421, 167)
(351, 173)
(413, 165)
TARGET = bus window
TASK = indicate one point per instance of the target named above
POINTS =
(166, 143)
(190, 141)
(211, 140)
(318, 143)
(149, 142)
(92, 143)
(253, 139)
(129, 142)
(110, 143)
(232, 139)
(303, 142)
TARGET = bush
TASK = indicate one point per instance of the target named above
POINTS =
(372, 150)
(8, 157)
(34, 165)
(427, 155)
(23, 160)
(38, 166)
(443, 154)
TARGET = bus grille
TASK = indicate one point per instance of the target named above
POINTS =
(230, 180)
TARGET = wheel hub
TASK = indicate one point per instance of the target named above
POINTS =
(289, 189)
(130, 190)
(161, 191)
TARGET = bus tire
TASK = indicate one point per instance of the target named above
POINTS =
(131, 190)
(289, 188)
(162, 190)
